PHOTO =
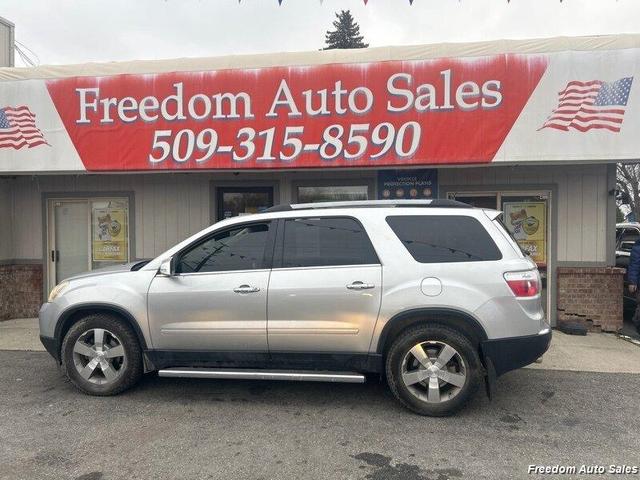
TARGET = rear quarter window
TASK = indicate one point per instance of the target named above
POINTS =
(444, 239)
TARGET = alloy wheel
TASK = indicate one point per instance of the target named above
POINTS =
(99, 356)
(433, 371)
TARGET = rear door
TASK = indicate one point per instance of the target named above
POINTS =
(325, 288)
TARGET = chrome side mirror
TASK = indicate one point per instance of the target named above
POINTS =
(167, 268)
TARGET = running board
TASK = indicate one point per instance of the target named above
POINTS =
(291, 375)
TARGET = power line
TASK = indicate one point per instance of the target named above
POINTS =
(28, 56)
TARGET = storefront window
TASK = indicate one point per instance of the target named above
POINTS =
(238, 201)
(337, 193)
(478, 201)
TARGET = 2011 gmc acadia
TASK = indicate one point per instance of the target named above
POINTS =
(434, 295)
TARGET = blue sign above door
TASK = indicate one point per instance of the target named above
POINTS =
(408, 184)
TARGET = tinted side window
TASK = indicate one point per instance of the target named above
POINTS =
(439, 239)
(313, 242)
(239, 248)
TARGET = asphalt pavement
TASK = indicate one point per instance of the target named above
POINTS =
(201, 429)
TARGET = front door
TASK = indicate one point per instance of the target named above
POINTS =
(325, 288)
(217, 300)
(85, 234)
(69, 242)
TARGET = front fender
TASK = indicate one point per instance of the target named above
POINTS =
(124, 294)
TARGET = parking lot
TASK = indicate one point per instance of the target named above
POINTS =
(180, 428)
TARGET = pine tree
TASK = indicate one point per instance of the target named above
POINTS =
(346, 33)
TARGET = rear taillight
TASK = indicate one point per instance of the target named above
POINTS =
(523, 284)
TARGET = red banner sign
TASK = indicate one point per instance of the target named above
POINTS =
(341, 115)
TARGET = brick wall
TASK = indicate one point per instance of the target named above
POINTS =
(20, 290)
(588, 295)
(591, 296)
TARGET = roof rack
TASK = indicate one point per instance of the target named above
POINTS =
(436, 203)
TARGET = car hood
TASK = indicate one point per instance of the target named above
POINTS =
(123, 267)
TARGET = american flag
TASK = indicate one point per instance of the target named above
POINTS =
(595, 104)
(18, 128)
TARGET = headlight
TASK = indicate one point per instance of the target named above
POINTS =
(57, 290)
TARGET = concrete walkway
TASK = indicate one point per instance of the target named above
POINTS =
(20, 334)
(597, 352)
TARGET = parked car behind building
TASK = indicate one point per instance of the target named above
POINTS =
(626, 236)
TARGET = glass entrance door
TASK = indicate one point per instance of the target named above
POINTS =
(234, 201)
(85, 234)
(71, 238)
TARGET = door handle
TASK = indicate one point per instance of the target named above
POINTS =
(246, 289)
(360, 286)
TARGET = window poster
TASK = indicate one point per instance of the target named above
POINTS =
(110, 236)
(527, 222)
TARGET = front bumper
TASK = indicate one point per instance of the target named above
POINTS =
(50, 346)
(48, 317)
(506, 354)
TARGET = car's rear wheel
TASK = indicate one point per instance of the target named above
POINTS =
(433, 370)
(101, 355)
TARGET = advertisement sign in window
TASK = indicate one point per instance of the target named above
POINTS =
(110, 236)
(527, 222)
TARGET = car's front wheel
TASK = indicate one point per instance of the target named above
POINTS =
(433, 370)
(101, 355)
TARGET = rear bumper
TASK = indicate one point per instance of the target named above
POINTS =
(506, 354)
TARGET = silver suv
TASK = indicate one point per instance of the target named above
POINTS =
(434, 295)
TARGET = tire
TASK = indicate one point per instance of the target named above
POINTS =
(436, 341)
(109, 373)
